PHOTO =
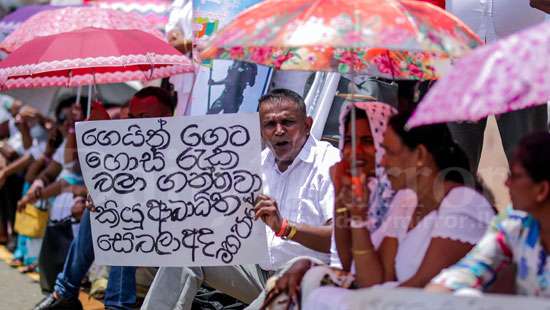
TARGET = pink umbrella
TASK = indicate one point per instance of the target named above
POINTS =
(90, 56)
(11, 21)
(156, 11)
(74, 18)
(508, 75)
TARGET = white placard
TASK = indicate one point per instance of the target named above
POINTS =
(174, 191)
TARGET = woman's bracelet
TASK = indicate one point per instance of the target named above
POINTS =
(342, 210)
(292, 233)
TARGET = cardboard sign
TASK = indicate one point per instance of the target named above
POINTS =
(174, 191)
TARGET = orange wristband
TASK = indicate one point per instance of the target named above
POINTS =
(282, 230)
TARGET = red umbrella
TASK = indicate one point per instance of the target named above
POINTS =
(74, 18)
(90, 56)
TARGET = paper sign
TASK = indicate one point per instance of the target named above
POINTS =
(174, 191)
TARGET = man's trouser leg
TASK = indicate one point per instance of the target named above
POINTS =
(78, 261)
(169, 284)
(175, 288)
(121, 288)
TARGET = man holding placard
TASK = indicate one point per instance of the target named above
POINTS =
(150, 102)
(296, 206)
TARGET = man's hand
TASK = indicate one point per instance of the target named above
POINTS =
(178, 41)
(35, 191)
(89, 204)
(266, 209)
(543, 5)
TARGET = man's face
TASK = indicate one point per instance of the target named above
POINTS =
(284, 129)
(148, 107)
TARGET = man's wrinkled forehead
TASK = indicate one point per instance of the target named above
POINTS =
(280, 107)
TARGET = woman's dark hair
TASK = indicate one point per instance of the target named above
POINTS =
(437, 139)
(533, 153)
(68, 102)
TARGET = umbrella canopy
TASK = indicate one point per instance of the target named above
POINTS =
(155, 11)
(508, 75)
(73, 18)
(90, 56)
(11, 21)
(394, 39)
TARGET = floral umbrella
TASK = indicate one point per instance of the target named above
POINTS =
(508, 75)
(73, 18)
(394, 39)
(95, 56)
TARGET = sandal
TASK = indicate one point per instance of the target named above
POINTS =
(29, 268)
(15, 263)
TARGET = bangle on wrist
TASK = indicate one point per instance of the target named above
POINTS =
(341, 210)
(292, 233)
(282, 229)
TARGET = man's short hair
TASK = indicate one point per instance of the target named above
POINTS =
(162, 95)
(282, 94)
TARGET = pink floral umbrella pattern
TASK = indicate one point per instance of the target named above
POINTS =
(508, 75)
(394, 39)
(73, 18)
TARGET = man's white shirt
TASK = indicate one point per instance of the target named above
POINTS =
(304, 194)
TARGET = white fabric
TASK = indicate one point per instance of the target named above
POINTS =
(15, 141)
(494, 19)
(463, 215)
(61, 208)
(462, 205)
(59, 155)
(37, 149)
(304, 194)
(181, 17)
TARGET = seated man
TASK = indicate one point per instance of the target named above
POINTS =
(296, 205)
(121, 289)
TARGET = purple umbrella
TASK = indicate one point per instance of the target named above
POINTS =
(11, 21)
(508, 75)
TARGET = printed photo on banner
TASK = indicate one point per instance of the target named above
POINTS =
(176, 191)
(224, 86)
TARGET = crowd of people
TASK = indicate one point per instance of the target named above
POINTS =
(406, 210)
